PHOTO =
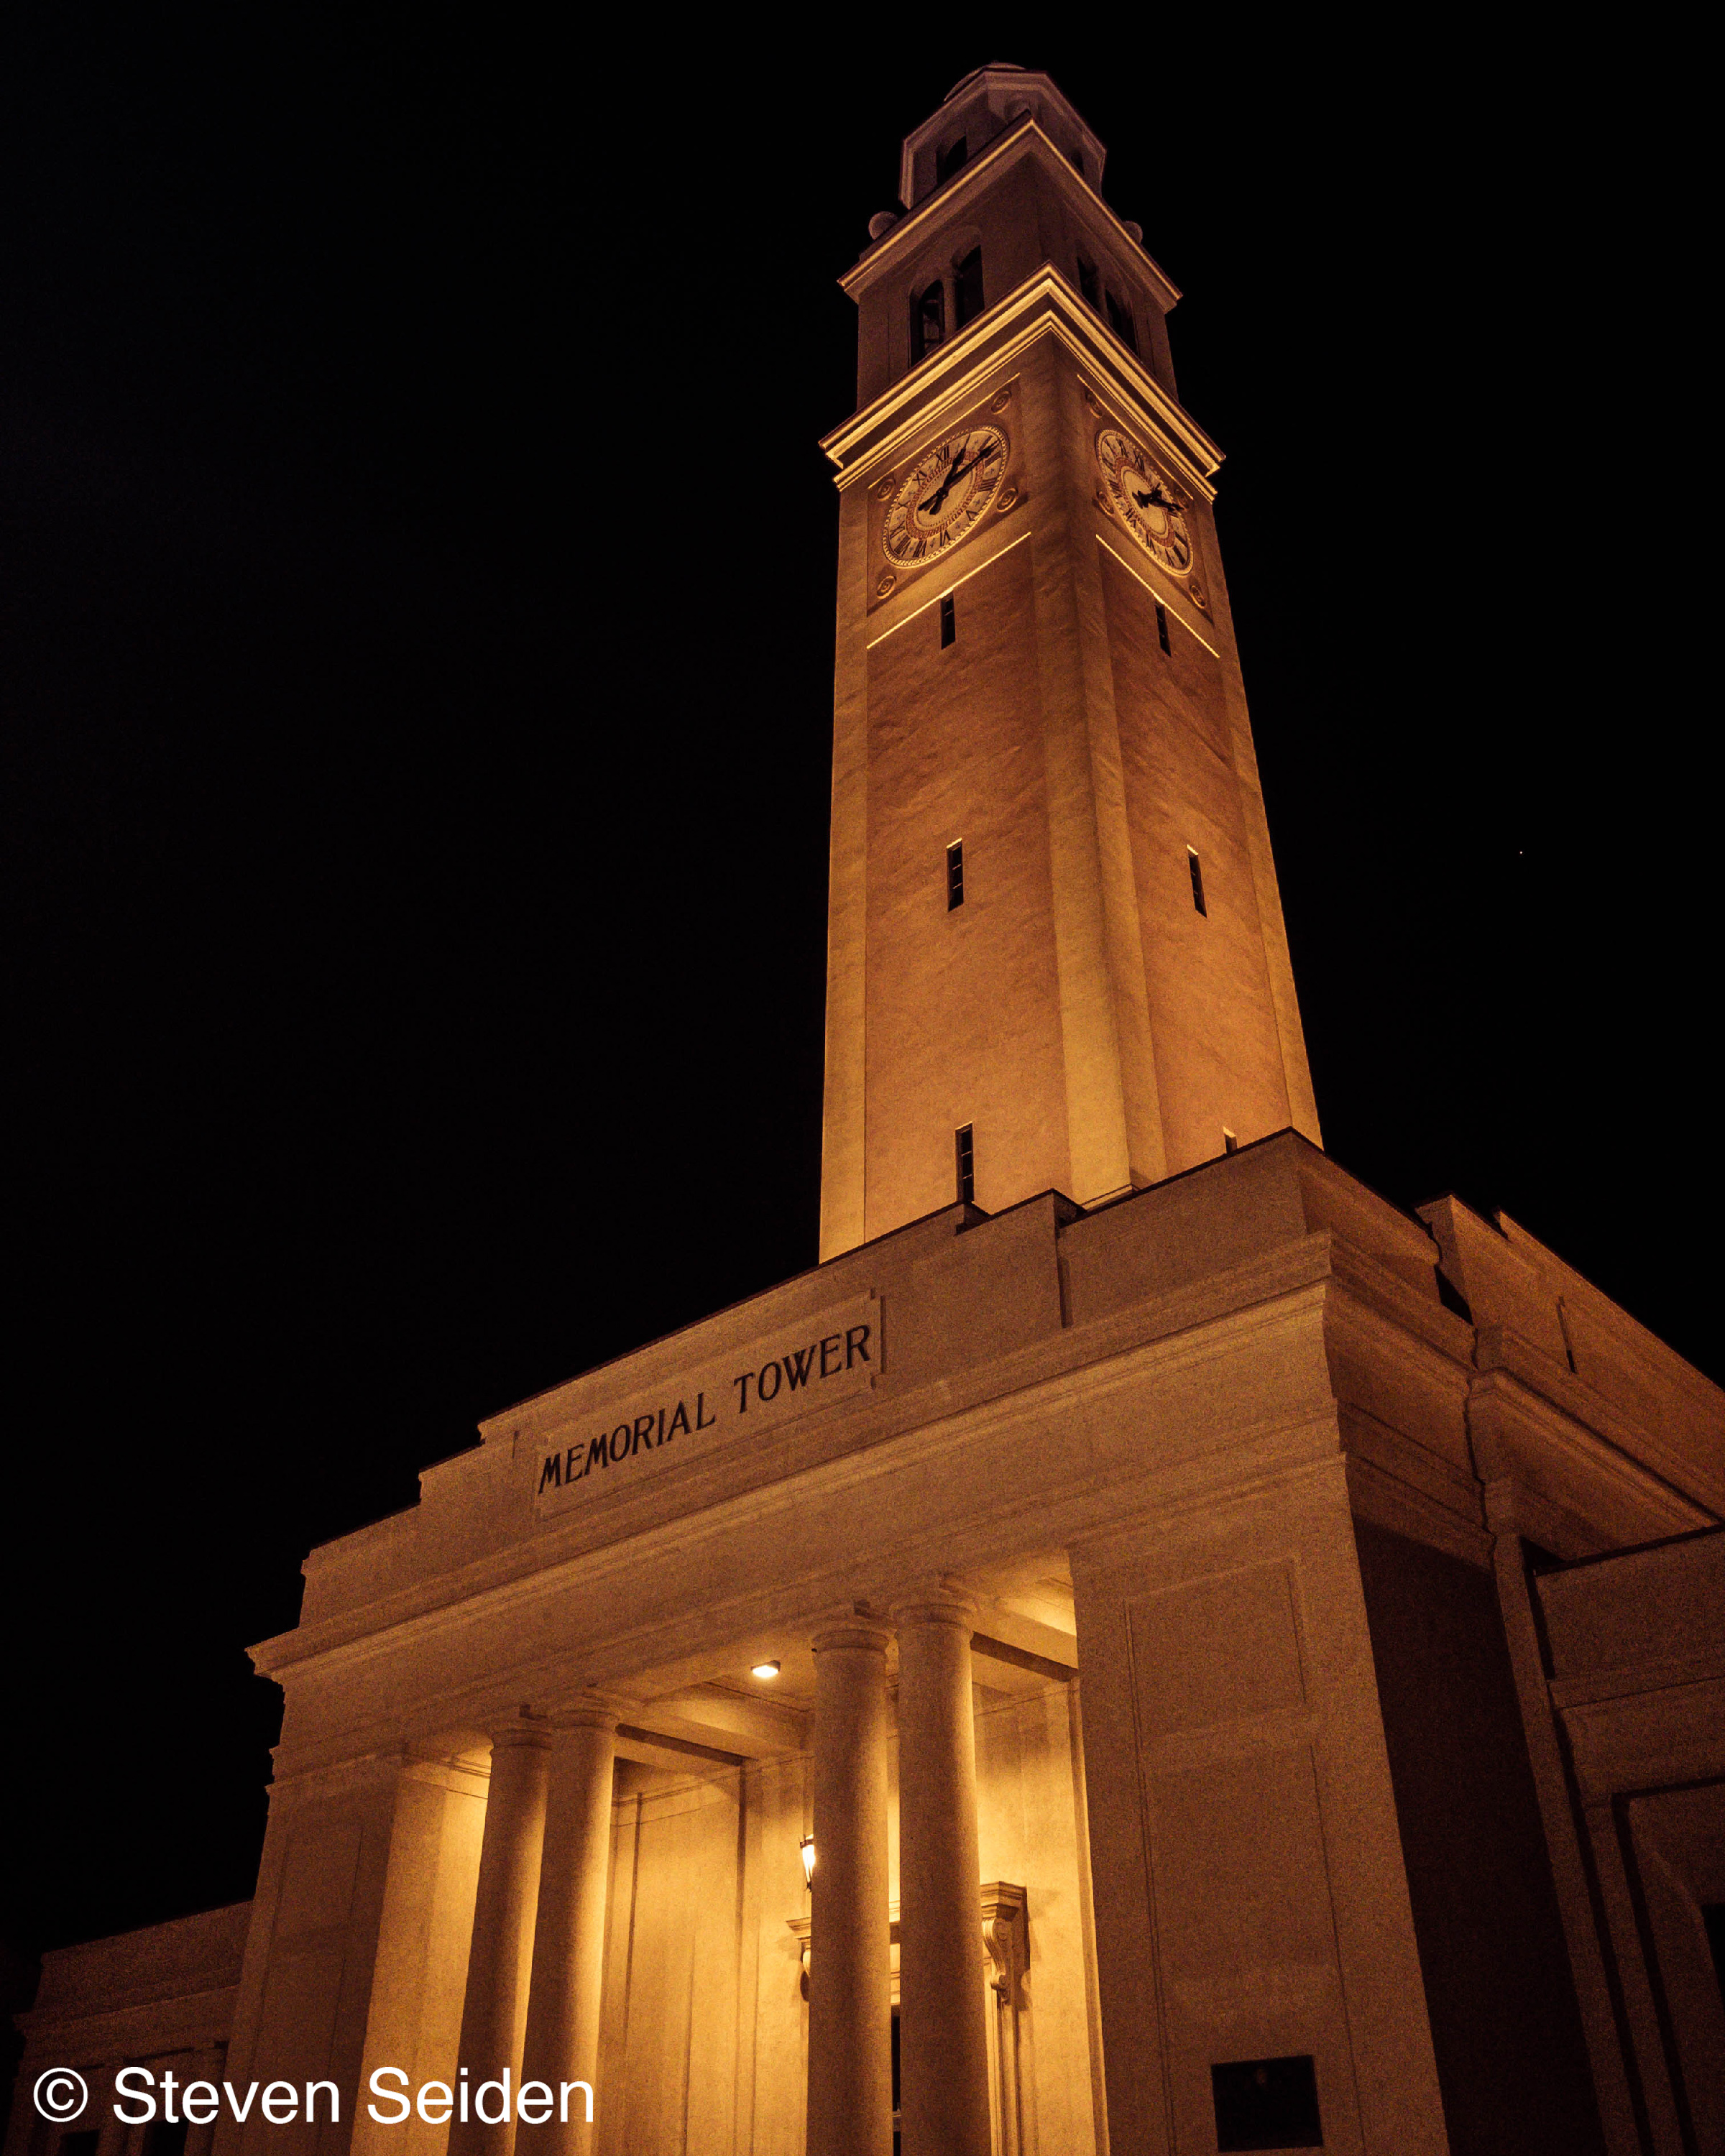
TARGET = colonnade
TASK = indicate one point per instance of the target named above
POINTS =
(535, 1970)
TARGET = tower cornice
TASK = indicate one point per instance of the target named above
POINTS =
(1023, 139)
(1044, 305)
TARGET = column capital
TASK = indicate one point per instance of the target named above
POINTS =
(941, 1601)
(851, 1632)
(524, 1728)
(453, 1776)
(586, 1714)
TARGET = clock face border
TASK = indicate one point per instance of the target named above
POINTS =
(1172, 547)
(977, 455)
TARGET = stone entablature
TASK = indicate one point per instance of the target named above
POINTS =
(975, 1310)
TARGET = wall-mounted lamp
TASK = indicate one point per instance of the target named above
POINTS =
(764, 1670)
(806, 1847)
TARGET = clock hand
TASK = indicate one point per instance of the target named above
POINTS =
(981, 457)
(955, 472)
(931, 507)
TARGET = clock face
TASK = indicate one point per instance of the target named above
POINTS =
(944, 495)
(1144, 501)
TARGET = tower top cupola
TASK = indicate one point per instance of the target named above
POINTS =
(985, 103)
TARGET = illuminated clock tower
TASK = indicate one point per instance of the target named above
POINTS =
(1055, 956)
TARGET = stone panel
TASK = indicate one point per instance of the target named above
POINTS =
(1219, 1650)
(962, 1008)
(1219, 1055)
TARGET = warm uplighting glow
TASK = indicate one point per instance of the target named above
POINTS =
(764, 1670)
(807, 1846)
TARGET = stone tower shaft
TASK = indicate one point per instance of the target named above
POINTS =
(1056, 956)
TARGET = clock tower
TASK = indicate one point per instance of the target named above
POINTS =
(1055, 953)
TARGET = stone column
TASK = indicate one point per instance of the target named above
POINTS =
(495, 2011)
(943, 2031)
(851, 1963)
(562, 2039)
(207, 2066)
(113, 2133)
(414, 2022)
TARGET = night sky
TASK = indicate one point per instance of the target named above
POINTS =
(416, 577)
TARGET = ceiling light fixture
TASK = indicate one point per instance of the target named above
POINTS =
(764, 1670)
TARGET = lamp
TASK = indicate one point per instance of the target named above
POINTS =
(764, 1670)
(806, 1849)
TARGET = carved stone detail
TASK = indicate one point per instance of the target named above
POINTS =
(1006, 1942)
(1006, 1936)
(799, 1928)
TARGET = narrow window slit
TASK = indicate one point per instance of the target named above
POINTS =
(928, 319)
(1569, 1348)
(966, 1152)
(949, 622)
(955, 875)
(1197, 881)
(1162, 630)
(967, 287)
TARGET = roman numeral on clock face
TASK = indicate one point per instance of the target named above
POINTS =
(944, 495)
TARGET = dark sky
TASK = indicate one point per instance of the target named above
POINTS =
(416, 660)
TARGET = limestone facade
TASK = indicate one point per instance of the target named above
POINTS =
(1241, 1659)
